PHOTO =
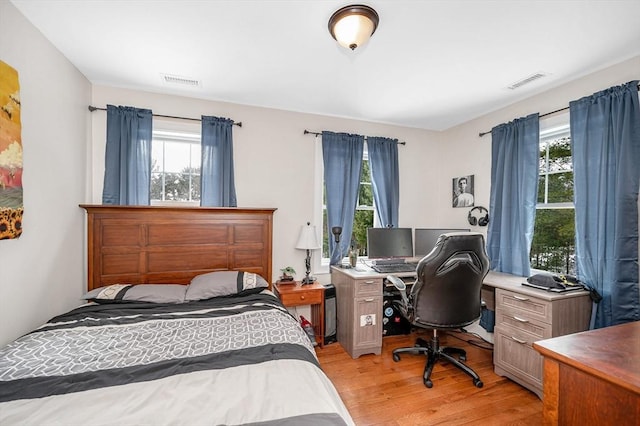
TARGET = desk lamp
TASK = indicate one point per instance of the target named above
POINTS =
(308, 241)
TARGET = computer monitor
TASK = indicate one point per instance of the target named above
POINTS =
(389, 243)
(426, 239)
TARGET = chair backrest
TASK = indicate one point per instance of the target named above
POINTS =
(446, 293)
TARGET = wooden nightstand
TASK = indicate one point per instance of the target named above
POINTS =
(310, 294)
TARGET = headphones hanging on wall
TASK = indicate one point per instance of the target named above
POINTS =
(480, 221)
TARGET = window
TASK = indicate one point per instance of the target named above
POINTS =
(175, 168)
(553, 246)
(364, 215)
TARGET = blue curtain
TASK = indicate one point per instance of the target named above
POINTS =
(127, 168)
(514, 190)
(217, 185)
(605, 144)
(385, 180)
(342, 156)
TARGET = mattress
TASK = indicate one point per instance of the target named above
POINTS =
(226, 360)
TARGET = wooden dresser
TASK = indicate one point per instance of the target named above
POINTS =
(525, 315)
(592, 378)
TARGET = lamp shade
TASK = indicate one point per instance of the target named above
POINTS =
(308, 239)
(353, 25)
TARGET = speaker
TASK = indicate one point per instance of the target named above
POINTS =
(330, 314)
(480, 221)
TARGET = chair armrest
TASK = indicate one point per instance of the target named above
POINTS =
(401, 286)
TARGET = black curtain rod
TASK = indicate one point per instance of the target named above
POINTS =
(307, 132)
(541, 115)
(92, 108)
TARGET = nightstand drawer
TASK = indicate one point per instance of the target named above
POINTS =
(301, 297)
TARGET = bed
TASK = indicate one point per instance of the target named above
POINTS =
(180, 328)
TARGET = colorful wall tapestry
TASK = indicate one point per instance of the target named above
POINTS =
(11, 206)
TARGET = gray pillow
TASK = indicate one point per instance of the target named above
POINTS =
(223, 283)
(156, 293)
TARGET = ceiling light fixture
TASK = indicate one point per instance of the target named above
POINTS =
(353, 25)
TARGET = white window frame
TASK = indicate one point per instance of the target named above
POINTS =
(176, 132)
(555, 127)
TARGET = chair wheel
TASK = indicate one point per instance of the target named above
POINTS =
(396, 357)
(478, 383)
(428, 383)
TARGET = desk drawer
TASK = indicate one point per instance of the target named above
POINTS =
(368, 287)
(523, 305)
(514, 353)
(301, 298)
(520, 321)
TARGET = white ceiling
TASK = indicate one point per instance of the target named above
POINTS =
(431, 64)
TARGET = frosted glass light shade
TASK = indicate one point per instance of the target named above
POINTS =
(353, 25)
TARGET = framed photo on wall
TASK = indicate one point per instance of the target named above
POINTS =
(462, 195)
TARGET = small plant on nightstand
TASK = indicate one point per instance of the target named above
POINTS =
(287, 273)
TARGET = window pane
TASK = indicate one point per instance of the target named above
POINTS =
(196, 156)
(157, 156)
(560, 155)
(156, 186)
(176, 156)
(362, 221)
(560, 188)
(365, 195)
(195, 186)
(553, 246)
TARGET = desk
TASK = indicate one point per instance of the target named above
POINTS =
(592, 377)
(523, 315)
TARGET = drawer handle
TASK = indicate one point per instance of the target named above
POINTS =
(522, 342)
(370, 282)
(520, 319)
(369, 300)
(301, 297)
(520, 298)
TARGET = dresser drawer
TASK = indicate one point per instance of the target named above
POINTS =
(523, 305)
(368, 287)
(298, 298)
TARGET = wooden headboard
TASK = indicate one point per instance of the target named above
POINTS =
(171, 245)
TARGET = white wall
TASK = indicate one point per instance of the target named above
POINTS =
(274, 161)
(472, 153)
(42, 272)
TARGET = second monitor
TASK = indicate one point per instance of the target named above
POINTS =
(384, 243)
(426, 239)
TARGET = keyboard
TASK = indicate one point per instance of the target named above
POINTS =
(394, 268)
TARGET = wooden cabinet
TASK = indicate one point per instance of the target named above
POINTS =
(524, 316)
(296, 294)
(359, 302)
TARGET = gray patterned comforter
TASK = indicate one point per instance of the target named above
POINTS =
(240, 360)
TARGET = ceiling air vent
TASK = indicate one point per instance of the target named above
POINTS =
(175, 79)
(527, 80)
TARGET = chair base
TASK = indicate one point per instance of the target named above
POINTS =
(436, 353)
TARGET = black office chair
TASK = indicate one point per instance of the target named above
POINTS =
(445, 295)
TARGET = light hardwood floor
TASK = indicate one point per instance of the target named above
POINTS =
(379, 391)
